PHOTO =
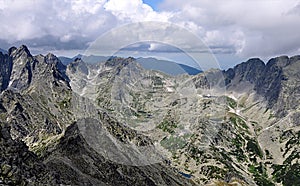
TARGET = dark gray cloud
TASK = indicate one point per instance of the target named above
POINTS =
(154, 47)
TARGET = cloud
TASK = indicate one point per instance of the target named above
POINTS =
(134, 11)
(31, 22)
(154, 46)
(243, 28)
(251, 28)
(68, 22)
(151, 47)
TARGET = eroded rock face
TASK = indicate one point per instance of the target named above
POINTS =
(273, 81)
(35, 93)
(249, 71)
(5, 70)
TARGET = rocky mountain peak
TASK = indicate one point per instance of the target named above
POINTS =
(21, 51)
(267, 80)
(281, 61)
(2, 54)
(53, 60)
(248, 71)
(78, 65)
(50, 58)
(22, 66)
(24, 48)
(19, 69)
(114, 61)
(255, 62)
(78, 60)
(11, 50)
(294, 59)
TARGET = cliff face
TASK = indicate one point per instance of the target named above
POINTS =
(5, 71)
(115, 123)
(268, 80)
(34, 92)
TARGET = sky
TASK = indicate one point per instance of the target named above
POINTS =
(233, 30)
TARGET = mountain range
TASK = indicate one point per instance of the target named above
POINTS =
(168, 67)
(117, 123)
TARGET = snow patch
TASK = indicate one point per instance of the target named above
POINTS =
(169, 89)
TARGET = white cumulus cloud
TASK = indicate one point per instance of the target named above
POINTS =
(243, 28)
(250, 28)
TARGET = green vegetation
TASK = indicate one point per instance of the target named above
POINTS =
(253, 147)
(167, 126)
(173, 143)
(40, 149)
(271, 116)
(64, 103)
(295, 140)
(260, 175)
(238, 121)
(295, 155)
(231, 102)
(238, 142)
(288, 174)
(239, 154)
(3, 116)
(169, 123)
(198, 155)
(215, 172)
(292, 176)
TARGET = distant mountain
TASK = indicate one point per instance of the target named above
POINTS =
(65, 60)
(150, 63)
(190, 70)
(168, 67)
(88, 59)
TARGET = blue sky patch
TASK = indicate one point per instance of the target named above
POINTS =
(153, 3)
